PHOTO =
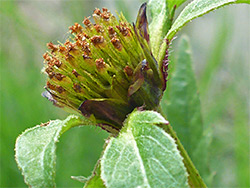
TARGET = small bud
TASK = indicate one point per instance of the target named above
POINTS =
(60, 89)
(62, 49)
(97, 40)
(48, 70)
(59, 76)
(105, 14)
(123, 29)
(77, 88)
(104, 9)
(112, 32)
(75, 73)
(97, 11)
(51, 75)
(98, 28)
(128, 71)
(52, 47)
(46, 57)
(100, 64)
(85, 35)
(86, 22)
(50, 86)
(117, 44)
(57, 63)
(77, 28)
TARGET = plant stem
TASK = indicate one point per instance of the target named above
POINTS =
(194, 178)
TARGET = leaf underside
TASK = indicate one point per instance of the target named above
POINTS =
(193, 10)
(158, 26)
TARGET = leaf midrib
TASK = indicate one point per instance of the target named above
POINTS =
(137, 152)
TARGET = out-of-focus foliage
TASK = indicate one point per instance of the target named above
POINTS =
(220, 44)
(196, 9)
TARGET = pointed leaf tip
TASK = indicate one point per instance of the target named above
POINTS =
(142, 22)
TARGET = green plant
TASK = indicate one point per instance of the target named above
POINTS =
(139, 125)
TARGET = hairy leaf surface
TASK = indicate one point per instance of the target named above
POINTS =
(95, 180)
(195, 9)
(160, 23)
(36, 150)
(143, 155)
(177, 3)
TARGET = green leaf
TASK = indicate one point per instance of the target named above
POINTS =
(241, 147)
(36, 150)
(182, 105)
(195, 9)
(243, 1)
(177, 3)
(95, 180)
(161, 21)
(181, 100)
(143, 155)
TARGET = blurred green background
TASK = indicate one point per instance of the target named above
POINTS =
(220, 44)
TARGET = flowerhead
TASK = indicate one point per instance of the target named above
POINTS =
(105, 69)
